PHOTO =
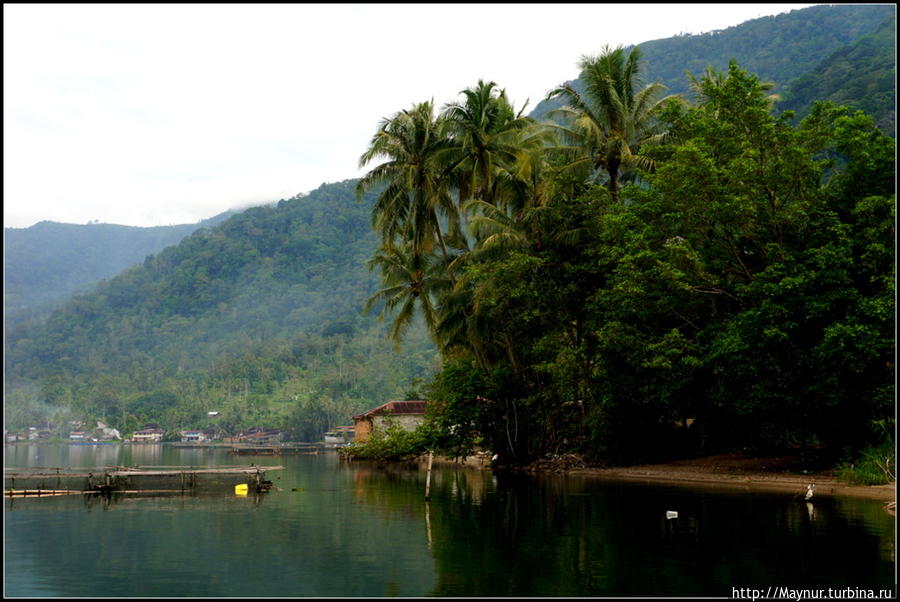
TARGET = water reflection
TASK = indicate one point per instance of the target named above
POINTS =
(366, 530)
(591, 538)
(85, 454)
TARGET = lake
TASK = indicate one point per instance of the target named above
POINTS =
(360, 530)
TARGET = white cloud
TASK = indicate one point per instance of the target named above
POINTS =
(147, 114)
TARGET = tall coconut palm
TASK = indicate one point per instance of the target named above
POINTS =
(415, 203)
(489, 139)
(609, 123)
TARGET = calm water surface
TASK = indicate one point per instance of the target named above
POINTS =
(360, 530)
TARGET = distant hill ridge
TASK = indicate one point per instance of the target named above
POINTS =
(281, 268)
(48, 262)
(861, 75)
(779, 48)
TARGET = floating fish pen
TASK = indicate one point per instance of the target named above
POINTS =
(276, 450)
(110, 479)
(199, 445)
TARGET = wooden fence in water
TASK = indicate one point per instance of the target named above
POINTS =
(109, 479)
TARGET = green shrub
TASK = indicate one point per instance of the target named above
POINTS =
(394, 443)
(875, 465)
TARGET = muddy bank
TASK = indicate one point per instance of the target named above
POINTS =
(825, 486)
(734, 471)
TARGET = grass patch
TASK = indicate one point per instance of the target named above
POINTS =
(875, 465)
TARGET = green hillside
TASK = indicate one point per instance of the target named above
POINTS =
(48, 262)
(862, 75)
(777, 48)
(262, 309)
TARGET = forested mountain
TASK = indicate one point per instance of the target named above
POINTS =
(592, 296)
(264, 308)
(862, 75)
(780, 49)
(48, 262)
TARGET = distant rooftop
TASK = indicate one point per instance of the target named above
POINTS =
(393, 408)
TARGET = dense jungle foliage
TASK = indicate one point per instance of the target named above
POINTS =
(654, 277)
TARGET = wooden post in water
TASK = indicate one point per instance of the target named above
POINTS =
(428, 476)
(428, 523)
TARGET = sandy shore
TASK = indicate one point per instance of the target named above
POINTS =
(825, 486)
(726, 471)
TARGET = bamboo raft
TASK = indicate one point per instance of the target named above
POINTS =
(122, 479)
(58, 492)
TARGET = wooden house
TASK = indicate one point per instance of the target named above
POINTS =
(407, 414)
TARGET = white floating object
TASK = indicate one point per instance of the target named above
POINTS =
(671, 514)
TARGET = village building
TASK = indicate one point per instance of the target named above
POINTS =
(260, 436)
(196, 436)
(339, 435)
(406, 414)
(149, 434)
(35, 434)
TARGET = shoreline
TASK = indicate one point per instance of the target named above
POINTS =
(825, 485)
(731, 472)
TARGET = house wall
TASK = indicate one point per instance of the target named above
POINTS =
(408, 422)
(363, 430)
(366, 426)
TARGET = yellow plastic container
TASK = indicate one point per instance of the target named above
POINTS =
(241, 489)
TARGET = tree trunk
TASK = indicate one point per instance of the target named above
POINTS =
(613, 171)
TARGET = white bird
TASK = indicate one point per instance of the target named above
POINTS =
(809, 491)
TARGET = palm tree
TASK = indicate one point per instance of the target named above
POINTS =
(410, 279)
(489, 140)
(609, 123)
(416, 196)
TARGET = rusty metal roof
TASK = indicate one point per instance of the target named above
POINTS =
(394, 408)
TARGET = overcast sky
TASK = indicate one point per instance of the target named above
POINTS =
(158, 114)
